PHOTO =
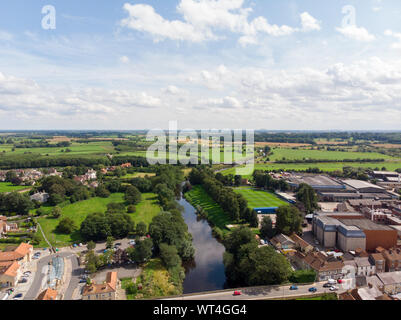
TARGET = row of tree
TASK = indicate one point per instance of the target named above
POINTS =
(232, 203)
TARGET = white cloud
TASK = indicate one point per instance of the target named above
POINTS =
(27, 98)
(5, 36)
(309, 23)
(356, 33)
(209, 20)
(173, 90)
(396, 35)
(124, 59)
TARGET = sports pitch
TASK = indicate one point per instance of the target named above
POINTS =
(260, 199)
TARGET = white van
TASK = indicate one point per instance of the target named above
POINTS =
(331, 281)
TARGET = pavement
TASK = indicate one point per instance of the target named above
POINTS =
(260, 293)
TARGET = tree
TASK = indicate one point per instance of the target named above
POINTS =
(132, 195)
(141, 228)
(289, 220)
(254, 220)
(266, 230)
(169, 255)
(307, 196)
(91, 245)
(10, 176)
(237, 180)
(56, 212)
(66, 226)
(114, 186)
(142, 251)
(131, 209)
(109, 242)
(102, 192)
(95, 227)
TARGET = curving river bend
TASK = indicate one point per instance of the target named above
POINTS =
(206, 273)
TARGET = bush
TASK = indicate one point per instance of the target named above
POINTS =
(303, 276)
(66, 226)
(131, 208)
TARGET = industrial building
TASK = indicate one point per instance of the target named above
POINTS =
(349, 231)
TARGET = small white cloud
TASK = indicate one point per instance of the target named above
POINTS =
(356, 33)
(124, 59)
(173, 90)
(309, 23)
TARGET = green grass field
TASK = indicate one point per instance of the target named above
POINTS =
(259, 198)
(8, 187)
(198, 197)
(77, 212)
(324, 166)
(98, 147)
(146, 210)
(301, 154)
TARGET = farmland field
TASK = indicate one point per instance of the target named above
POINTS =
(198, 197)
(301, 154)
(101, 147)
(324, 166)
(259, 198)
(8, 187)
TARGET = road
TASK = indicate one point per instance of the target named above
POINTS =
(260, 293)
(39, 281)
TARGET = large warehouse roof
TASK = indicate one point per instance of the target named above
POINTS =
(364, 224)
(316, 181)
(359, 184)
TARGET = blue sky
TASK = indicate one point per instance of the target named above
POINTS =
(205, 63)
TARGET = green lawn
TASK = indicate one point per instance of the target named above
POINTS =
(260, 199)
(77, 212)
(198, 197)
(8, 187)
(146, 209)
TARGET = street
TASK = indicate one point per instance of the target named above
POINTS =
(261, 293)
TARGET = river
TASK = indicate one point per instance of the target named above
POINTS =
(206, 273)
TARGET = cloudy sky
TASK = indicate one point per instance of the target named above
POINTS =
(262, 64)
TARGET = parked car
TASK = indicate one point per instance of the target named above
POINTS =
(293, 287)
(313, 289)
(340, 281)
(333, 288)
(327, 285)
(23, 280)
(237, 293)
(332, 281)
(18, 296)
(82, 281)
